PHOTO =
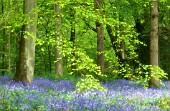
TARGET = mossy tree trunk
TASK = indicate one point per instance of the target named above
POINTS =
(25, 67)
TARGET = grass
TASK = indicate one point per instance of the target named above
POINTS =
(59, 95)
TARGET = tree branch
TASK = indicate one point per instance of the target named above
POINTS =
(89, 26)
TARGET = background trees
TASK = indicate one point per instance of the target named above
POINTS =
(117, 30)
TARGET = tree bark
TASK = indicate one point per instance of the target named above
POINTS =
(100, 37)
(25, 68)
(49, 54)
(154, 40)
(9, 41)
(9, 50)
(59, 62)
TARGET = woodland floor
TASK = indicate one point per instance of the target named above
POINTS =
(49, 95)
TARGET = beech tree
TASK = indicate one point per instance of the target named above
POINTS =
(25, 68)
(9, 41)
(154, 40)
(59, 63)
(100, 36)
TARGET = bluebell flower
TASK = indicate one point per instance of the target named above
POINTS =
(122, 95)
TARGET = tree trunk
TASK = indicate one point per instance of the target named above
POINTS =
(73, 38)
(100, 38)
(3, 40)
(59, 62)
(113, 39)
(154, 40)
(25, 68)
(49, 66)
(9, 50)
(3, 52)
(9, 41)
(49, 55)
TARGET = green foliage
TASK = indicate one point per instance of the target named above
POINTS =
(15, 97)
(13, 100)
(3, 101)
(164, 103)
(89, 83)
(120, 14)
(52, 76)
(84, 63)
(145, 72)
(158, 73)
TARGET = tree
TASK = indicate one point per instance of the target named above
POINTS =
(73, 37)
(100, 36)
(154, 40)
(46, 35)
(25, 68)
(121, 46)
(3, 32)
(9, 41)
(83, 24)
(164, 33)
(59, 62)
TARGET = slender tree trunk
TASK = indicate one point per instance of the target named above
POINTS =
(122, 44)
(48, 50)
(49, 57)
(59, 62)
(3, 52)
(154, 40)
(9, 41)
(3, 40)
(100, 37)
(122, 52)
(113, 39)
(73, 38)
(25, 69)
(9, 50)
(45, 63)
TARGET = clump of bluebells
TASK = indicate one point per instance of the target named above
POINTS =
(48, 95)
